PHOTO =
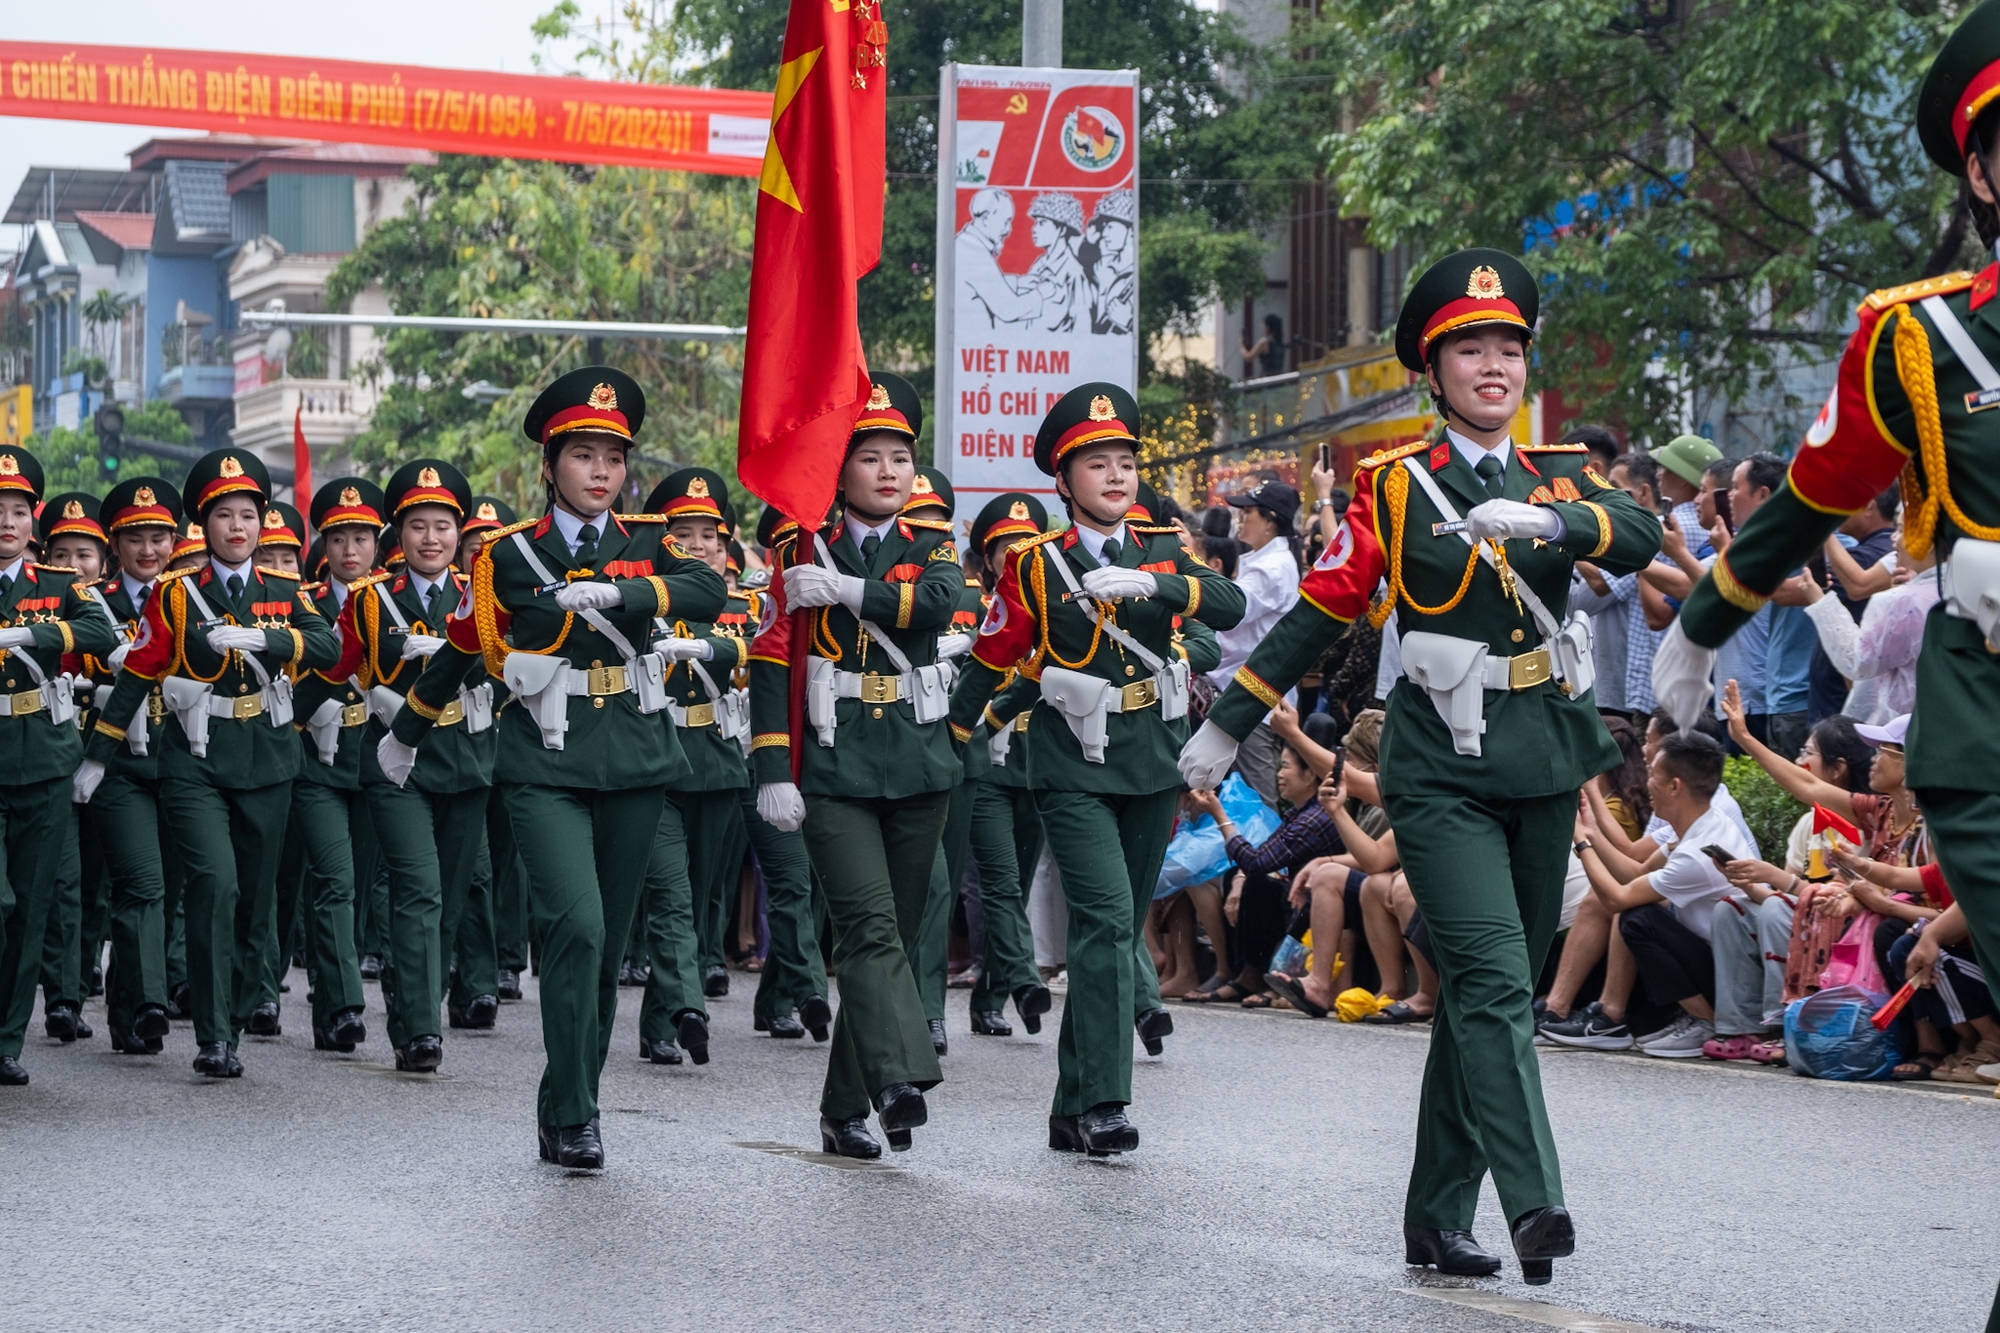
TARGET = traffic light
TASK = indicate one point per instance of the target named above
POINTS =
(110, 424)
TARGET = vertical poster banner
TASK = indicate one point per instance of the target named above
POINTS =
(1037, 261)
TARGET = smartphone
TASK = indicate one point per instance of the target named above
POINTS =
(1720, 855)
(1325, 456)
(1339, 762)
(1722, 511)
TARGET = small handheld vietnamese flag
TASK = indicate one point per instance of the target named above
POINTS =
(1825, 822)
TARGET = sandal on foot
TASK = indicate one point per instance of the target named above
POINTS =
(1294, 990)
(1261, 1000)
(1729, 1048)
(1917, 1068)
(1399, 1012)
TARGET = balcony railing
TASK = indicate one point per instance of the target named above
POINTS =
(334, 404)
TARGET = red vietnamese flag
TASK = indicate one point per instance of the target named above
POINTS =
(1825, 819)
(819, 229)
(302, 462)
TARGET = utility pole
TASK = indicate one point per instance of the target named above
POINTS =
(1041, 34)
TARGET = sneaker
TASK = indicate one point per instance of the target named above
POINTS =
(1591, 1029)
(1681, 1040)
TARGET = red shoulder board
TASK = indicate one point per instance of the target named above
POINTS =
(1983, 286)
(1441, 456)
(542, 528)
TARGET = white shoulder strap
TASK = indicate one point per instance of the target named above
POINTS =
(888, 645)
(593, 618)
(206, 612)
(1544, 621)
(1962, 346)
(1130, 644)
(93, 594)
(396, 612)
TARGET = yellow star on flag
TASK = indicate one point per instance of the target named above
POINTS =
(775, 180)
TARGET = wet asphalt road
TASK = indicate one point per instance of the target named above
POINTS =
(329, 1192)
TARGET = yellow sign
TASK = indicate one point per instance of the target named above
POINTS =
(17, 414)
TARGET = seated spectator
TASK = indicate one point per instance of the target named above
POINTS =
(1330, 889)
(1665, 914)
(1173, 921)
(1583, 947)
(1951, 996)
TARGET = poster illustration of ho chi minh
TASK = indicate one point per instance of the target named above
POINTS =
(1037, 261)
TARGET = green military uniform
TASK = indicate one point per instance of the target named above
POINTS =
(125, 809)
(228, 794)
(1485, 807)
(582, 769)
(499, 866)
(691, 877)
(282, 526)
(329, 811)
(1100, 746)
(876, 782)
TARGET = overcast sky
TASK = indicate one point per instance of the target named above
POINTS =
(456, 34)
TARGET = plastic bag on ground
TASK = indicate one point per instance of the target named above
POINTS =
(1828, 1035)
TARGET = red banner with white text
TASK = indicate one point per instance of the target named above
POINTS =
(717, 131)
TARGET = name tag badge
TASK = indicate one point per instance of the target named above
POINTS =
(1981, 399)
(1446, 529)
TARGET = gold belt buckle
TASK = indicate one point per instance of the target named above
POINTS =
(156, 707)
(451, 713)
(879, 689)
(603, 680)
(247, 705)
(353, 715)
(1021, 720)
(27, 701)
(1530, 669)
(700, 715)
(1142, 694)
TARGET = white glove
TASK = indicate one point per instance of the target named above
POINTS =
(684, 650)
(421, 645)
(588, 597)
(243, 638)
(1206, 758)
(815, 585)
(1681, 675)
(118, 655)
(21, 636)
(954, 645)
(84, 785)
(1511, 518)
(780, 805)
(1112, 582)
(396, 758)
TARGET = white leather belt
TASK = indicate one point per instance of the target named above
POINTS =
(22, 704)
(871, 688)
(242, 706)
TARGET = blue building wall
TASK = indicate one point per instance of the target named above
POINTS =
(171, 279)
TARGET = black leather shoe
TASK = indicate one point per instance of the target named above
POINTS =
(901, 1109)
(758, 1023)
(510, 984)
(660, 1052)
(817, 1015)
(693, 1031)
(1155, 1026)
(848, 1138)
(545, 1141)
(628, 975)
(371, 967)
(150, 1023)
(131, 1043)
(939, 1043)
(11, 1073)
(264, 1021)
(348, 1030)
(990, 1023)
(1542, 1235)
(422, 1056)
(96, 982)
(579, 1147)
(479, 1015)
(178, 1001)
(1101, 1131)
(1454, 1252)
(60, 1022)
(715, 982)
(786, 1027)
(213, 1060)
(1031, 1002)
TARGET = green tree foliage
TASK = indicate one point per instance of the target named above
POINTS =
(1768, 809)
(69, 457)
(1733, 178)
(539, 240)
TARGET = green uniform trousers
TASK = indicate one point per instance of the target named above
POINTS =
(794, 967)
(126, 818)
(1488, 876)
(173, 873)
(429, 842)
(933, 962)
(62, 934)
(30, 816)
(874, 859)
(96, 894)
(1109, 849)
(1006, 842)
(700, 842)
(507, 887)
(323, 820)
(585, 854)
(229, 839)
(293, 904)
(371, 892)
(716, 881)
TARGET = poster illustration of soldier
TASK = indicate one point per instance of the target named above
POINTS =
(1038, 250)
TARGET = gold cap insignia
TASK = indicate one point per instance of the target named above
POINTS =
(144, 496)
(428, 477)
(1484, 284)
(878, 398)
(230, 468)
(698, 488)
(604, 397)
(74, 509)
(489, 513)
(9, 466)
(194, 533)
(1101, 409)
(350, 495)
(921, 486)
(1019, 509)
(273, 519)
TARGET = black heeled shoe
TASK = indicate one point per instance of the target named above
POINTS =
(990, 1023)
(901, 1109)
(1031, 1002)
(60, 1022)
(817, 1015)
(939, 1042)
(573, 1147)
(693, 1031)
(660, 1051)
(264, 1021)
(715, 981)
(1542, 1235)
(422, 1056)
(1101, 1131)
(150, 1023)
(1154, 1027)
(510, 984)
(848, 1138)
(1453, 1252)
(786, 1028)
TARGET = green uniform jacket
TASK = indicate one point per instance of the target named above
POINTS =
(450, 758)
(718, 764)
(1033, 625)
(1902, 400)
(123, 763)
(1539, 740)
(610, 743)
(315, 688)
(242, 752)
(46, 598)
(913, 586)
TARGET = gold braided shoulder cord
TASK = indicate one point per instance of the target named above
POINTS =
(1923, 499)
(1398, 486)
(1045, 651)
